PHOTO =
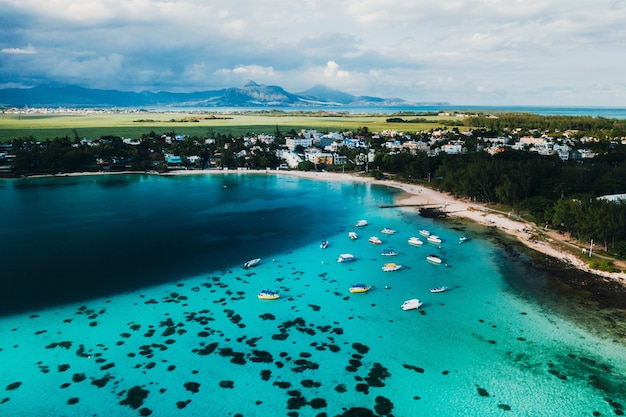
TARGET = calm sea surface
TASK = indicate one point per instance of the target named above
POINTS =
(126, 295)
(606, 112)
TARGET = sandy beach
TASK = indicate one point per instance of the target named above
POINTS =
(525, 232)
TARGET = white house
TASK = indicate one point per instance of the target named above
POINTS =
(563, 151)
(617, 198)
(292, 143)
(339, 159)
(309, 134)
(265, 138)
(452, 148)
(131, 141)
(291, 158)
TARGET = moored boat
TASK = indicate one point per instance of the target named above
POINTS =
(357, 288)
(442, 288)
(411, 304)
(345, 257)
(251, 263)
(463, 239)
(434, 239)
(424, 233)
(434, 259)
(415, 241)
(389, 252)
(375, 240)
(390, 267)
(387, 231)
(324, 244)
(353, 235)
(361, 223)
(268, 295)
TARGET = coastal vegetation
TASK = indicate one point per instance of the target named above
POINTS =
(527, 121)
(563, 195)
(543, 188)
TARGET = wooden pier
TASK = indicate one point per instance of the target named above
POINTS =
(410, 205)
(426, 210)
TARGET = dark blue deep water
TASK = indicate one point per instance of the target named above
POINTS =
(72, 238)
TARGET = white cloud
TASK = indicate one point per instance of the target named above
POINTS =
(487, 49)
(240, 74)
(253, 70)
(19, 51)
(332, 71)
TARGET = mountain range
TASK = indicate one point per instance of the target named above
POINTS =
(250, 95)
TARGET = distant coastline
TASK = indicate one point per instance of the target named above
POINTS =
(573, 111)
(605, 112)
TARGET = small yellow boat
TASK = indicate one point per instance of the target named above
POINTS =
(356, 288)
(268, 295)
(390, 267)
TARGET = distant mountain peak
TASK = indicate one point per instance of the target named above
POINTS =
(324, 93)
(251, 83)
(251, 94)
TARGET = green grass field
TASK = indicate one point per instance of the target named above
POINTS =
(93, 126)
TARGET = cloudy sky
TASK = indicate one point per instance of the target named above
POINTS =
(482, 52)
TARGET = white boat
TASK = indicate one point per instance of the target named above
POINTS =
(434, 259)
(387, 231)
(415, 241)
(424, 233)
(390, 267)
(324, 244)
(345, 257)
(361, 223)
(251, 263)
(353, 235)
(443, 288)
(375, 240)
(463, 239)
(434, 239)
(411, 304)
(268, 295)
(389, 252)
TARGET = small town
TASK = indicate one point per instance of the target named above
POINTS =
(303, 150)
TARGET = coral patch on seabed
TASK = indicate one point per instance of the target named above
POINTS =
(135, 397)
(227, 384)
(192, 387)
(208, 346)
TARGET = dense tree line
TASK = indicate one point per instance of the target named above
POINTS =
(560, 194)
(589, 218)
(527, 122)
(451, 122)
(71, 154)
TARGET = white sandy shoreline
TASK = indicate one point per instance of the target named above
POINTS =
(523, 231)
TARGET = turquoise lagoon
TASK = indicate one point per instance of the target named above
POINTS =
(126, 295)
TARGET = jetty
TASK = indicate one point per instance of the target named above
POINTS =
(408, 205)
(425, 210)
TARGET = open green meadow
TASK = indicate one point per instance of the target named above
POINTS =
(42, 126)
